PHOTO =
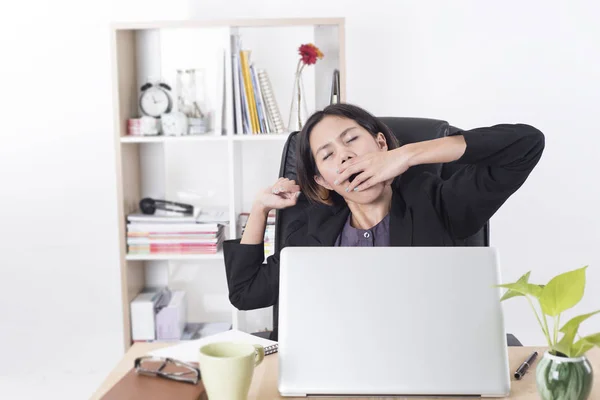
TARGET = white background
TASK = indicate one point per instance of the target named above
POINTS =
(472, 63)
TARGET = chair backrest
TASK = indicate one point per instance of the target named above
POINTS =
(407, 130)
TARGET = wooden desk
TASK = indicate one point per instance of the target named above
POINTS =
(264, 383)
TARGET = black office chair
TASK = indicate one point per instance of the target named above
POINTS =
(407, 130)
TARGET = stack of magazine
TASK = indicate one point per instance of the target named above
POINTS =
(160, 234)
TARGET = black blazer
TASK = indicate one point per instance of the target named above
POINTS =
(426, 211)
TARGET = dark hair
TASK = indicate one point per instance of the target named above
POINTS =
(306, 166)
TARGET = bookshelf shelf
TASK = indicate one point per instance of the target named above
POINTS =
(224, 167)
(273, 136)
(172, 139)
(202, 138)
(173, 257)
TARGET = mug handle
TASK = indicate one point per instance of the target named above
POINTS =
(260, 354)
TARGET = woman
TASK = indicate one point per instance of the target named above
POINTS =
(350, 166)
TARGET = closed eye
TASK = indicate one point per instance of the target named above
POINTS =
(352, 139)
(327, 156)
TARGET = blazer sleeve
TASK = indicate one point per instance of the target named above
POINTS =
(252, 283)
(497, 161)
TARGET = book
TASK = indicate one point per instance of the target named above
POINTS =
(188, 351)
(156, 218)
(245, 62)
(246, 124)
(262, 111)
(270, 101)
(134, 386)
(195, 228)
(237, 95)
(172, 241)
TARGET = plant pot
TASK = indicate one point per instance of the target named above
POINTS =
(563, 378)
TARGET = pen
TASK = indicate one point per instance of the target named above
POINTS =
(525, 366)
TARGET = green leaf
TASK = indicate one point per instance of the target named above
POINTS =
(584, 344)
(520, 289)
(565, 345)
(512, 293)
(563, 292)
(574, 322)
(580, 348)
(593, 339)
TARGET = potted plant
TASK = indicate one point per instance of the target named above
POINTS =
(564, 371)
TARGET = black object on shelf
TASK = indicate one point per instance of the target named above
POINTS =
(149, 206)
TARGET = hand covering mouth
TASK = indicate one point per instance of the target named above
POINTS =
(351, 178)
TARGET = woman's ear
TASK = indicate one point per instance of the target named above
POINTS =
(381, 142)
(321, 182)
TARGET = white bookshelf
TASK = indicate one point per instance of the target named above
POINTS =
(230, 166)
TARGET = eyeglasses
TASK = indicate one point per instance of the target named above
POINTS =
(167, 368)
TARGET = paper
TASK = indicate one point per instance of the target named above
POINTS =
(188, 351)
(214, 215)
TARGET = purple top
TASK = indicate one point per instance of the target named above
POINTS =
(378, 236)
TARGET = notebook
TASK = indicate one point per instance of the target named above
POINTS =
(188, 351)
(134, 386)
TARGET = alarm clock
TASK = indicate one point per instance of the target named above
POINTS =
(155, 99)
(174, 124)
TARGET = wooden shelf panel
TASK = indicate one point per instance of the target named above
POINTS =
(173, 257)
(228, 22)
(203, 138)
(272, 136)
(174, 139)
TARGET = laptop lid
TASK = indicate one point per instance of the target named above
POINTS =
(391, 321)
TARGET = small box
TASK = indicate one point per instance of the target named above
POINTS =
(143, 311)
(171, 320)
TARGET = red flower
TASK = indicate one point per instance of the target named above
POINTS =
(309, 53)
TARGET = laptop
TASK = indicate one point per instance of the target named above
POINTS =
(391, 321)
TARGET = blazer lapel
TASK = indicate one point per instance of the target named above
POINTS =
(326, 224)
(401, 223)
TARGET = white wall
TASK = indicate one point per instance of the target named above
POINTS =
(60, 328)
(470, 62)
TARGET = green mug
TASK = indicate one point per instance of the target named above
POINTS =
(227, 369)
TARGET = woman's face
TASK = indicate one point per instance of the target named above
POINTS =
(335, 140)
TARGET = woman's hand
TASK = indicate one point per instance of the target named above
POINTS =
(283, 194)
(383, 166)
(373, 168)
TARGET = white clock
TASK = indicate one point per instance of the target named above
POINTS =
(155, 99)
